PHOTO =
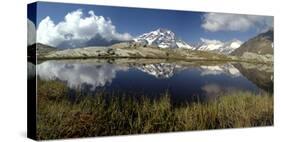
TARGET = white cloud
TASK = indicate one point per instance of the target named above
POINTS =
(31, 32)
(210, 41)
(234, 22)
(78, 29)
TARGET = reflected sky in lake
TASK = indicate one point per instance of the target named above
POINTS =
(182, 81)
(77, 74)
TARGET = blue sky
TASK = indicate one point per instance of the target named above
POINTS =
(135, 21)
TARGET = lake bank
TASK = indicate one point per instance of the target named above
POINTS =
(177, 54)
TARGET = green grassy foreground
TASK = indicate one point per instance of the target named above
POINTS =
(107, 114)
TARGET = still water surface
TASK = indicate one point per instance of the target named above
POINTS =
(184, 82)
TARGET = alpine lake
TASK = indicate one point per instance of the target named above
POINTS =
(185, 81)
(132, 96)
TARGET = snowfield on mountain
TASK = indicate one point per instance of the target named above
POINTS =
(218, 46)
(162, 38)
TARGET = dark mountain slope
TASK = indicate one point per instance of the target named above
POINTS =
(261, 44)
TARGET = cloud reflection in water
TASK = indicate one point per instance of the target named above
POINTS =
(77, 74)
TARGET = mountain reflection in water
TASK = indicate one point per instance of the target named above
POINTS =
(181, 80)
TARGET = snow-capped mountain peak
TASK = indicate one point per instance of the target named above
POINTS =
(162, 38)
(219, 46)
(182, 44)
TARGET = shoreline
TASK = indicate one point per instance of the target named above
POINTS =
(152, 58)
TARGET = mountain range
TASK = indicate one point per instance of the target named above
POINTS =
(160, 41)
(218, 46)
(164, 38)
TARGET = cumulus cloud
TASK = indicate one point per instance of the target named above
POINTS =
(210, 41)
(234, 22)
(31, 32)
(78, 29)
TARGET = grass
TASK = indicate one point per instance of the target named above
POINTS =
(106, 113)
